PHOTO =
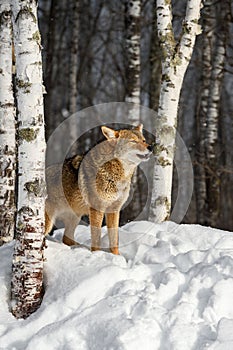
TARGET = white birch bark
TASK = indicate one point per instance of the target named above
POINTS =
(133, 85)
(7, 128)
(28, 255)
(133, 14)
(175, 59)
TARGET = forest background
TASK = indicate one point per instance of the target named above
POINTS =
(86, 39)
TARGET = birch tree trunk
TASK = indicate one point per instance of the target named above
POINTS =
(216, 19)
(175, 59)
(133, 13)
(27, 274)
(133, 88)
(7, 128)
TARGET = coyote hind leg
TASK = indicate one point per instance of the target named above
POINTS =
(49, 217)
(71, 221)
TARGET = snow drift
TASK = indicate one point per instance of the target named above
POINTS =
(171, 289)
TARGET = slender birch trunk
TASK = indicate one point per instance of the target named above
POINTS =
(217, 19)
(7, 128)
(27, 275)
(175, 59)
(133, 35)
(133, 87)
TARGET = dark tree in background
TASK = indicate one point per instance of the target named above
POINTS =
(216, 17)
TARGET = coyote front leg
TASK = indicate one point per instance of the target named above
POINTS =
(112, 220)
(96, 219)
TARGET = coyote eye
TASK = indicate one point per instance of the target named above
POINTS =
(133, 141)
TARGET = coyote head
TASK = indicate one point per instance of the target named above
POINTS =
(130, 145)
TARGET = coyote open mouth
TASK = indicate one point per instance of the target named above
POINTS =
(143, 156)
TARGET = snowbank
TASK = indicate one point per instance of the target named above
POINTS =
(171, 289)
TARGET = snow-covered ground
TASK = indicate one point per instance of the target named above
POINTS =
(171, 289)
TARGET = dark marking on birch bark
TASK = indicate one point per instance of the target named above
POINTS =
(26, 11)
(26, 210)
(37, 187)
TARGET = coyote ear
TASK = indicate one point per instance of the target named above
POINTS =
(109, 133)
(139, 127)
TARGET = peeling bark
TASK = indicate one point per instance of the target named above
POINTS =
(175, 59)
(7, 128)
(27, 277)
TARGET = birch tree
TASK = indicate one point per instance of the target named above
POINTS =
(133, 13)
(215, 21)
(133, 86)
(7, 128)
(28, 254)
(175, 59)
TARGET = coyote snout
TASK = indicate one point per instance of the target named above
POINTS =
(97, 184)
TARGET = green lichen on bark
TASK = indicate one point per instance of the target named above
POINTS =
(28, 134)
(36, 37)
(21, 226)
(163, 162)
(157, 149)
(23, 85)
(176, 60)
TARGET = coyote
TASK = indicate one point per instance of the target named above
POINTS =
(94, 185)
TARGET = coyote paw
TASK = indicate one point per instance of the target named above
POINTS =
(94, 249)
(114, 251)
(68, 241)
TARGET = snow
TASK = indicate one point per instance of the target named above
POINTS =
(171, 289)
